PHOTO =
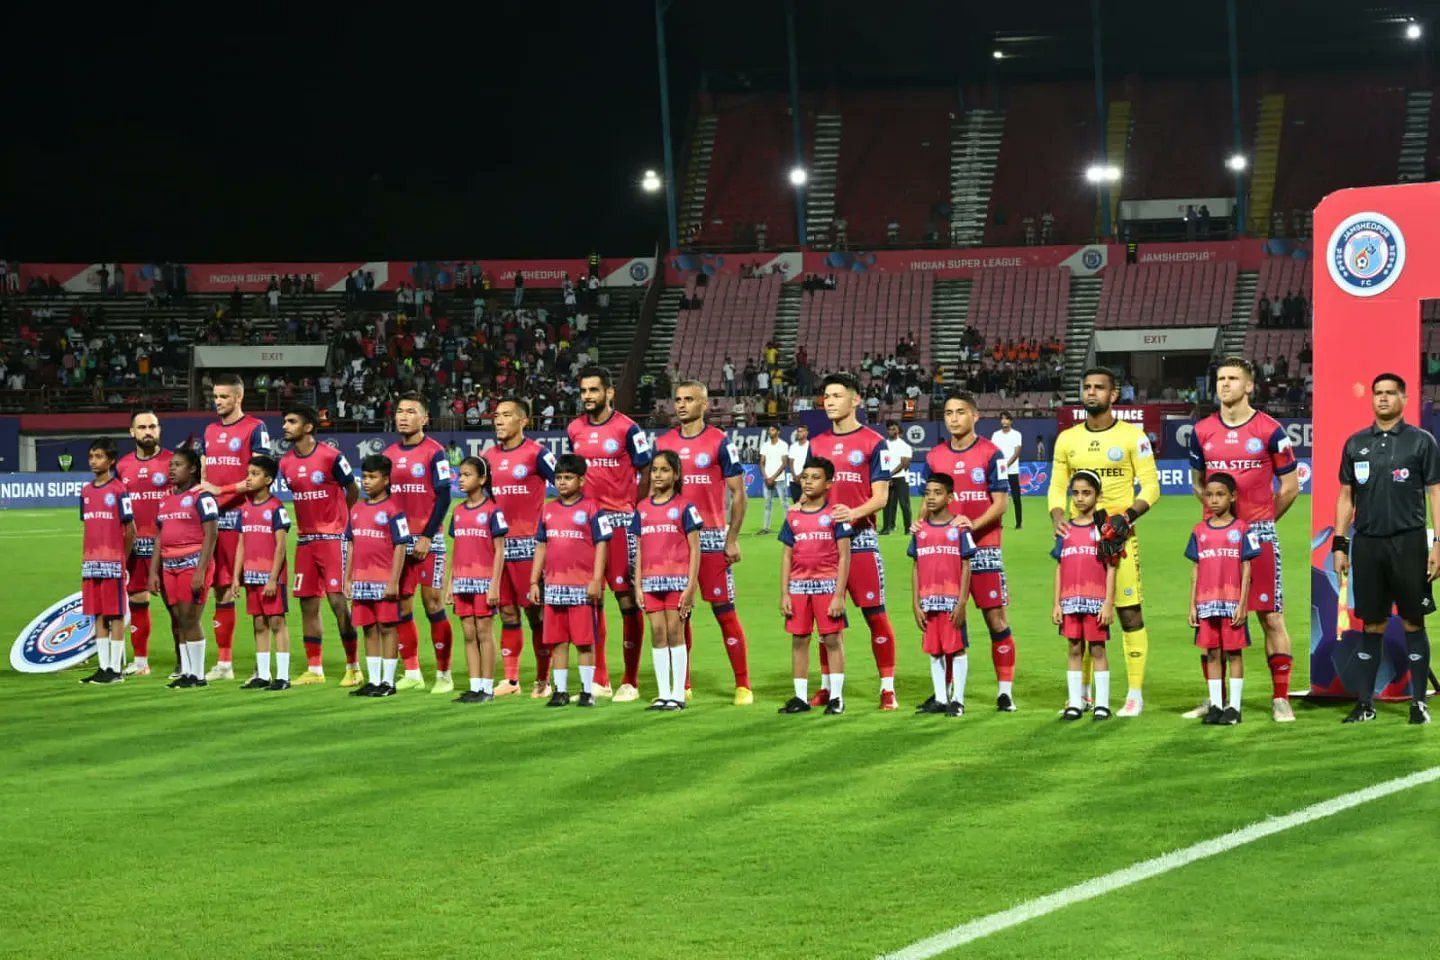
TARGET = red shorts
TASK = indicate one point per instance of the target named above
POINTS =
(137, 573)
(222, 571)
(259, 605)
(620, 561)
(369, 613)
(989, 590)
(1083, 626)
(578, 624)
(717, 582)
(669, 600)
(811, 611)
(866, 585)
(103, 597)
(319, 567)
(515, 583)
(942, 636)
(1220, 632)
(429, 572)
(175, 586)
(473, 605)
(1266, 591)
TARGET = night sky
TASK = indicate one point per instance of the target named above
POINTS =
(488, 129)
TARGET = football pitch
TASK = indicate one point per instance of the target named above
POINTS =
(140, 822)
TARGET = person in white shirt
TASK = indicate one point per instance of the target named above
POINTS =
(1009, 440)
(773, 463)
(796, 458)
(899, 454)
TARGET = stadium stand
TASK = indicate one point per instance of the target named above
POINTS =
(747, 185)
(735, 318)
(1280, 277)
(1165, 295)
(1181, 133)
(866, 313)
(1020, 303)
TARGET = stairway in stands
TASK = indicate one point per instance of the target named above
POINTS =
(1269, 122)
(697, 175)
(616, 333)
(662, 329)
(1232, 339)
(1079, 328)
(787, 321)
(820, 187)
(949, 308)
(1415, 141)
(974, 149)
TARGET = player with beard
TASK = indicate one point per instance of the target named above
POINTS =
(1120, 454)
(145, 472)
(711, 468)
(618, 455)
(227, 449)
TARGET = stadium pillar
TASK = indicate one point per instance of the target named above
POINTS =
(1377, 257)
(1102, 194)
(671, 221)
(790, 52)
(1234, 32)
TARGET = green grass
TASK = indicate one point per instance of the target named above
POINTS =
(222, 823)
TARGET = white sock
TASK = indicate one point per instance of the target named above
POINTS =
(802, 688)
(224, 663)
(1136, 694)
(142, 662)
(372, 669)
(183, 667)
(442, 673)
(562, 679)
(102, 653)
(352, 665)
(476, 684)
(414, 675)
(1236, 685)
(661, 658)
(1102, 688)
(937, 678)
(1088, 691)
(262, 664)
(959, 669)
(387, 670)
(825, 681)
(282, 664)
(1216, 687)
(319, 671)
(197, 656)
(587, 679)
(1007, 687)
(887, 683)
(837, 688)
(679, 660)
(487, 684)
(1076, 687)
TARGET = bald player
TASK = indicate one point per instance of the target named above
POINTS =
(145, 472)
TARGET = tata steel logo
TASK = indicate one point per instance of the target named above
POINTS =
(61, 636)
(1366, 254)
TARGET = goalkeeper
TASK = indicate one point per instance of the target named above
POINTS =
(1121, 455)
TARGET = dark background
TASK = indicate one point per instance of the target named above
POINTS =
(306, 131)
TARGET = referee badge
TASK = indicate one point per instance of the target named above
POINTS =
(1362, 471)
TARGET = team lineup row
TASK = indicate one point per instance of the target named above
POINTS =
(658, 528)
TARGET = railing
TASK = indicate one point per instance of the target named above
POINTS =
(92, 400)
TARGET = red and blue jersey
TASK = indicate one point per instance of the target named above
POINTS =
(148, 481)
(104, 511)
(420, 486)
(474, 528)
(375, 529)
(319, 483)
(663, 529)
(226, 451)
(978, 472)
(940, 551)
(1082, 570)
(1220, 554)
(861, 458)
(1254, 453)
(180, 523)
(570, 532)
(615, 451)
(259, 524)
(813, 537)
(518, 476)
(707, 461)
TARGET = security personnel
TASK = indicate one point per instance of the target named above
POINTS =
(1387, 471)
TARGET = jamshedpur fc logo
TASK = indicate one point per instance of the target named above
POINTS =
(1366, 254)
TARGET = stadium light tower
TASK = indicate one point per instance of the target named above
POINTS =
(998, 54)
(1413, 31)
(798, 176)
(1099, 173)
(651, 182)
(1236, 163)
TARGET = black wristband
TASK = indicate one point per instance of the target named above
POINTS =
(1131, 515)
(1339, 544)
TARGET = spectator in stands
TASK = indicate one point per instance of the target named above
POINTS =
(762, 381)
(1305, 356)
(892, 230)
(1127, 391)
(519, 298)
(1262, 311)
(748, 376)
(1047, 227)
(842, 233)
(1277, 312)
(1204, 215)
(1028, 222)
(762, 232)
(738, 412)
(1282, 366)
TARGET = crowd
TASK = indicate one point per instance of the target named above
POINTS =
(1290, 311)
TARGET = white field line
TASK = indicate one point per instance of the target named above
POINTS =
(1144, 870)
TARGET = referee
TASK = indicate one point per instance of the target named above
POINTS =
(1387, 471)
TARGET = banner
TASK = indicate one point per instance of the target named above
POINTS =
(1147, 417)
(1173, 339)
(59, 637)
(243, 358)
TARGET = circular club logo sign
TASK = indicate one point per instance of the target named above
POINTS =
(157, 479)
(1366, 254)
(60, 637)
